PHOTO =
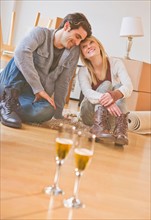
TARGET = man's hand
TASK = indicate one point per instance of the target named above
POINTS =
(106, 99)
(114, 110)
(44, 95)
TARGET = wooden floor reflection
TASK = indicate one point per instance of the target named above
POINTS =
(116, 185)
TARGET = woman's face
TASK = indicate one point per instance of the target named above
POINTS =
(89, 49)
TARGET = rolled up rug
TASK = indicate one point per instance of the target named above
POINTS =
(140, 122)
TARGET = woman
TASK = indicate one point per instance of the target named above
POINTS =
(105, 84)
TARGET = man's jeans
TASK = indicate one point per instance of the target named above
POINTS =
(37, 112)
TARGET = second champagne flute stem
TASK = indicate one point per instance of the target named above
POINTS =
(76, 185)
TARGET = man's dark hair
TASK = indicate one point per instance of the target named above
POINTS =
(77, 20)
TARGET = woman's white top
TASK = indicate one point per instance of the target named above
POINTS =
(119, 74)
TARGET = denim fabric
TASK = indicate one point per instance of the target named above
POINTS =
(34, 112)
(88, 109)
(30, 112)
(12, 77)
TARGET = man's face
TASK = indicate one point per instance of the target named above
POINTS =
(71, 38)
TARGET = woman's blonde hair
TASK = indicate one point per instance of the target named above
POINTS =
(88, 64)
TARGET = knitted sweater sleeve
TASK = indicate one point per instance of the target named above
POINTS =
(63, 81)
(24, 57)
(120, 75)
(85, 85)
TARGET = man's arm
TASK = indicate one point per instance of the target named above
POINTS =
(24, 58)
(62, 84)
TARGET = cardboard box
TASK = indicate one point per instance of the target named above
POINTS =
(140, 74)
(139, 101)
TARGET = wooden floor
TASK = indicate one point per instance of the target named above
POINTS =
(116, 185)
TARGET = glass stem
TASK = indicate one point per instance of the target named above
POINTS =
(57, 174)
(76, 185)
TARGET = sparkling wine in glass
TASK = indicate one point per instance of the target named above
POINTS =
(83, 152)
(63, 144)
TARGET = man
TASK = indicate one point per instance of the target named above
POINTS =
(35, 82)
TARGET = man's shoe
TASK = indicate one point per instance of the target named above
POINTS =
(8, 107)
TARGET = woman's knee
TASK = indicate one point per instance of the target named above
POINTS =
(105, 87)
(121, 103)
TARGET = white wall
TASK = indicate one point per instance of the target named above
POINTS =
(104, 16)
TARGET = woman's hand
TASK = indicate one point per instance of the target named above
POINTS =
(114, 110)
(44, 95)
(106, 99)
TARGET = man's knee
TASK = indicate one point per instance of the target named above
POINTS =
(31, 113)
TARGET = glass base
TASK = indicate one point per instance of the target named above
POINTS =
(73, 203)
(53, 190)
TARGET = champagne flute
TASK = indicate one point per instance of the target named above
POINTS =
(83, 152)
(63, 143)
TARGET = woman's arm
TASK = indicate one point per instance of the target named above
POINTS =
(85, 85)
(120, 75)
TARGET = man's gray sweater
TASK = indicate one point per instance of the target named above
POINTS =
(34, 57)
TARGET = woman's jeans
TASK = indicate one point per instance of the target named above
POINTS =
(87, 109)
(37, 112)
